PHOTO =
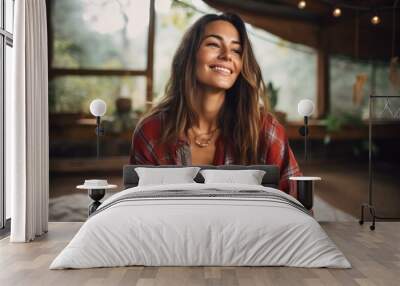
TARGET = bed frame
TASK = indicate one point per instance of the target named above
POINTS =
(270, 179)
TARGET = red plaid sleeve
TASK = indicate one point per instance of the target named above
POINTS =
(279, 153)
(144, 142)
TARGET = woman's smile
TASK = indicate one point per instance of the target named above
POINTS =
(221, 70)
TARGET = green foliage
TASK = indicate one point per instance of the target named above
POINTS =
(334, 122)
(65, 51)
(273, 93)
(363, 147)
(74, 93)
(180, 16)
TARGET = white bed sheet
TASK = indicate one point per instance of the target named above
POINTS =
(200, 231)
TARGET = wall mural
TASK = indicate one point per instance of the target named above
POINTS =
(215, 119)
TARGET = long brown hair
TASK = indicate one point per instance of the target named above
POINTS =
(239, 119)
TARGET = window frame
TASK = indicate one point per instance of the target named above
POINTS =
(6, 39)
(147, 72)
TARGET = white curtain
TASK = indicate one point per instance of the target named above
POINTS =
(27, 124)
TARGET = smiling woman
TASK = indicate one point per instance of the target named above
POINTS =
(211, 111)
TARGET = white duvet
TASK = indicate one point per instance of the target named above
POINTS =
(200, 231)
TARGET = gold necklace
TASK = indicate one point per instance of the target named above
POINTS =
(204, 139)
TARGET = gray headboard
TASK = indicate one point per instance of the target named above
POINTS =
(270, 179)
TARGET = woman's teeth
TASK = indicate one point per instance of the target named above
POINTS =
(224, 70)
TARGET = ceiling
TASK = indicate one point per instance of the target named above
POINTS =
(352, 34)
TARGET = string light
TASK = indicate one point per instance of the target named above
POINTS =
(302, 4)
(375, 20)
(337, 12)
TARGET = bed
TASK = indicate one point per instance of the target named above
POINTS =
(201, 224)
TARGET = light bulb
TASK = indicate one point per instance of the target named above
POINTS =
(302, 4)
(375, 20)
(305, 107)
(337, 12)
(98, 107)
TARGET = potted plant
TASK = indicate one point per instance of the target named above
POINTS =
(270, 100)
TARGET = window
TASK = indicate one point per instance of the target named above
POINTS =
(99, 50)
(6, 43)
(291, 68)
(348, 75)
(343, 75)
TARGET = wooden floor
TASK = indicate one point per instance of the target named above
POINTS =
(374, 255)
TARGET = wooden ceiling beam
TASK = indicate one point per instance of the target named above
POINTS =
(374, 42)
(290, 29)
(267, 9)
(288, 22)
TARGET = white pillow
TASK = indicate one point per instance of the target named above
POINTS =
(248, 177)
(163, 176)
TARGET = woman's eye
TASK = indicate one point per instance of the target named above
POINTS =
(239, 52)
(212, 45)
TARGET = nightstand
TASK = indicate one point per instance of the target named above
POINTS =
(96, 191)
(305, 187)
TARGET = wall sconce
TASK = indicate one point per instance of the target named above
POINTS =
(98, 108)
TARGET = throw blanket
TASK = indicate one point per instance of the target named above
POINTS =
(206, 194)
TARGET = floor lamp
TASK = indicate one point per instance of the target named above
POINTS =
(305, 185)
(98, 108)
(305, 108)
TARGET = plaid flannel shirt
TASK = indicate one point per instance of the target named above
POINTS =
(274, 146)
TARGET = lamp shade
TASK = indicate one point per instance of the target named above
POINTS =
(305, 107)
(98, 107)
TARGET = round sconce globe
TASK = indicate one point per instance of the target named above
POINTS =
(98, 107)
(305, 107)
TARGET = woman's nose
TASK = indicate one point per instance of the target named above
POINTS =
(225, 54)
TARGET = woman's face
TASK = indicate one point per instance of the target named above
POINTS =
(219, 58)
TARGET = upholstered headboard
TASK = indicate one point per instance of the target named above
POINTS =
(270, 179)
